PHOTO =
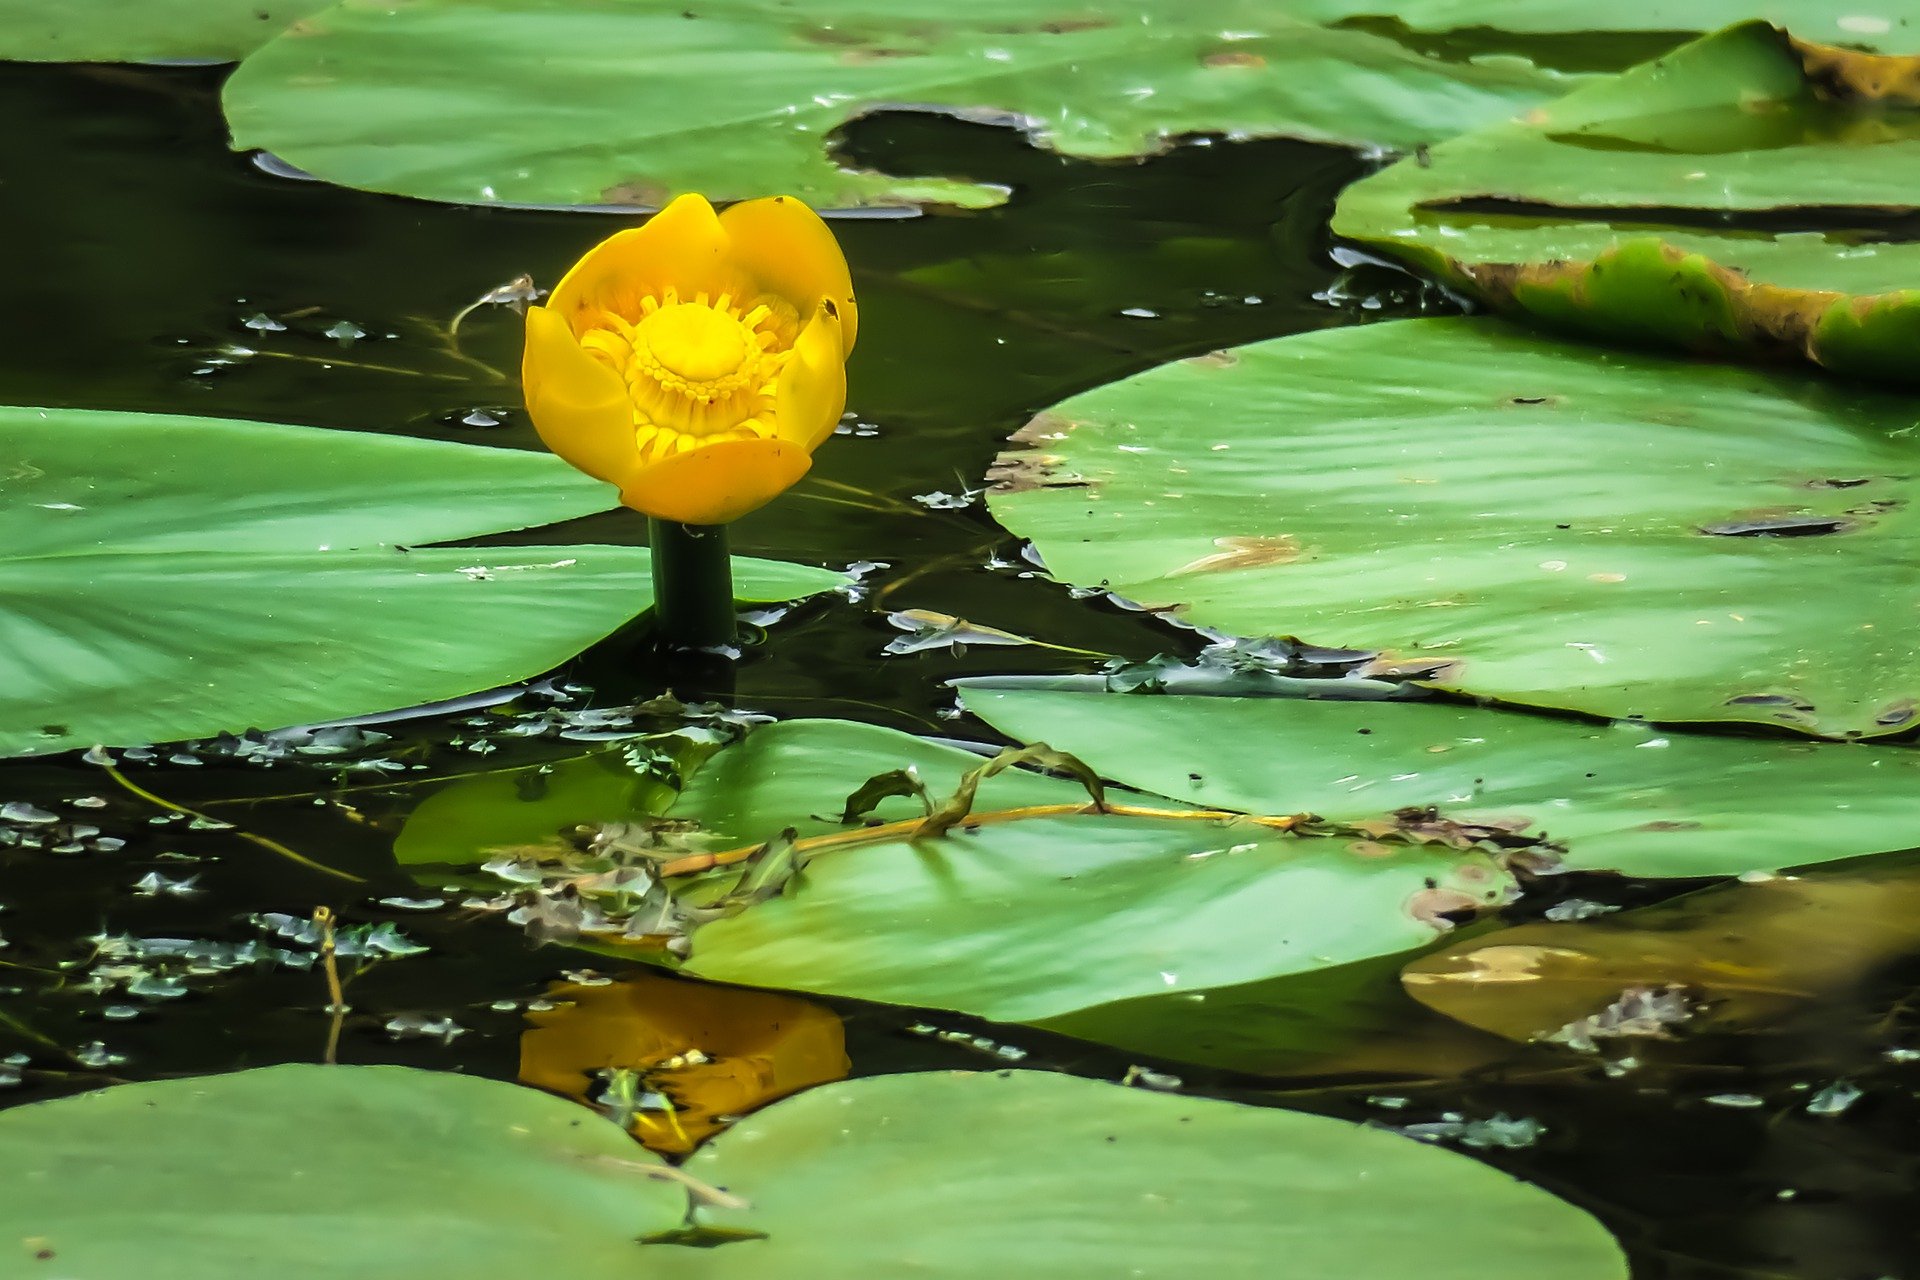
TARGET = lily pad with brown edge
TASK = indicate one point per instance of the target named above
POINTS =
(1748, 194)
(1574, 28)
(1507, 515)
(588, 102)
(1618, 797)
(1034, 904)
(338, 1172)
(143, 30)
(678, 1061)
(1732, 958)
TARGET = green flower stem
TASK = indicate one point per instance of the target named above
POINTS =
(692, 584)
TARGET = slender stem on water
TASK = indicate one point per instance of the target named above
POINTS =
(692, 584)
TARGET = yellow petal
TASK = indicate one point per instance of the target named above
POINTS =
(682, 245)
(716, 483)
(578, 405)
(788, 250)
(812, 391)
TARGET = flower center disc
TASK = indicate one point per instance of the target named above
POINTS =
(694, 346)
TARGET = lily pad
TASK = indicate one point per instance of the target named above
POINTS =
(323, 1173)
(1018, 918)
(1042, 1176)
(1732, 958)
(1619, 797)
(534, 101)
(1506, 515)
(1749, 192)
(311, 1173)
(172, 577)
(143, 30)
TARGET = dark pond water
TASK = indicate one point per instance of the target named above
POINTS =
(141, 249)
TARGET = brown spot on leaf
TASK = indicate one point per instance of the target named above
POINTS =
(1214, 360)
(1369, 849)
(1022, 466)
(1435, 907)
(1233, 58)
(1244, 553)
(1668, 824)
(1847, 75)
(876, 53)
(641, 193)
(1080, 22)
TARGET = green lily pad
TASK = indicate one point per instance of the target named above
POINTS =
(1745, 193)
(1507, 515)
(535, 100)
(143, 30)
(310, 1173)
(322, 1173)
(1039, 916)
(173, 577)
(1042, 1176)
(1619, 797)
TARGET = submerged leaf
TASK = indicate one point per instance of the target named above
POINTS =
(688, 1059)
(1731, 958)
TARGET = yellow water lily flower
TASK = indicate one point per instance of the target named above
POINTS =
(696, 361)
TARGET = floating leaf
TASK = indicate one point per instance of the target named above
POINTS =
(173, 577)
(455, 99)
(325, 1172)
(1730, 958)
(681, 1059)
(143, 30)
(1745, 193)
(1034, 904)
(1618, 797)
(333, 1172)
(1042, 1176)
(1510, 516)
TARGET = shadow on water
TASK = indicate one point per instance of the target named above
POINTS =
(144, 249)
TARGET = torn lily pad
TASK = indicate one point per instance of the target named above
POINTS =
(452, 99)
(1750, 193)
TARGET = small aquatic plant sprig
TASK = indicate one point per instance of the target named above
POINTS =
(696, 362)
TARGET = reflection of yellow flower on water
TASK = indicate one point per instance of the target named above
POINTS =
(695, 1053)
(696, 361)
